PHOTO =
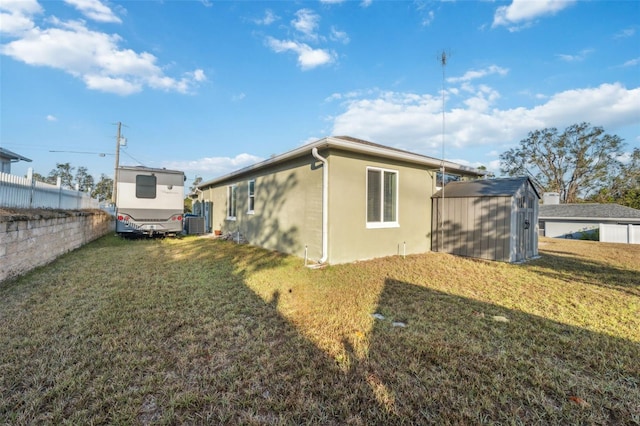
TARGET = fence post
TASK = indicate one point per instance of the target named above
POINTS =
(59, 185)
(630, 234)
(32, 186)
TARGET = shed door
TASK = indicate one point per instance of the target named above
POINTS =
(522, 235)
(526, 228)
(531, 231)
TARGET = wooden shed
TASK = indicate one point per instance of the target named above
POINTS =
(494, 219)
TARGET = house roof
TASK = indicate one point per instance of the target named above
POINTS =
(347, 143)
(12, 156)
(588, 211)
(504, 187)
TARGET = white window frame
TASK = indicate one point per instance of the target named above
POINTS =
(251, 197)
(232, 191)
(381, 223)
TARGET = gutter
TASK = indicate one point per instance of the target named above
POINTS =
(342, 144)
(325, 203)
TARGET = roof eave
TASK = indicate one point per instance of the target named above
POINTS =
(333, 142)
(12, 156)
(591, 219)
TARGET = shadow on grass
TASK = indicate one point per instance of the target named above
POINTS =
(176, 336)
(455, 363)
(568, 267)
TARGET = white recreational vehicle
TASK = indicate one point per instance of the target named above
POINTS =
(149, 201)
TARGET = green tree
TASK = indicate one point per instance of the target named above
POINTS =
(103, 189)
(197, 181)
(575, 163)
(64, 171)
(624, 187)
(37, 176)
(84, 180)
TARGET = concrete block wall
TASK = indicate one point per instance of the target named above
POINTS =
(31, 240)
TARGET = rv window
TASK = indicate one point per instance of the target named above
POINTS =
(145, 186)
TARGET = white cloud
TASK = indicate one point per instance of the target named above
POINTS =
(521, 13)
(51, 118)
(631, 62)
(94, 57)
(197, 75)
(414, 122)
(28, 7)
(269, 18)
(575, 58)
(475, 74)
(214, 166)
(494, 165)
(306, 22)
(366, 3)
(94, 9)
(428, 19)
(302, 35)
(308, 57)
(625, 33)
(16, 16)
(14, 23)
(238, 97)
(339, 36)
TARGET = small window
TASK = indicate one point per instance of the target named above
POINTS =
(522, 202)
(232, 191)
(252, 196)
(382, 198)
(145, 186)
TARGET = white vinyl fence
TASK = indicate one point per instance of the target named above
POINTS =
(629, 234)
(26, 193)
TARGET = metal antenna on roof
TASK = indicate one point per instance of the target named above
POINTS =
(443, 62)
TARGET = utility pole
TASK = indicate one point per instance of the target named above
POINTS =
(114, 193)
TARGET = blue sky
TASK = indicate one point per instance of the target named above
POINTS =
(211, 86)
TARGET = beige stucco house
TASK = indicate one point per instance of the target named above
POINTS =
(335, 200)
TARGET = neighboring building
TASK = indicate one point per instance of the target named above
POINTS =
(492, 219)
(7, 157)
(335, 200)
(578, 220)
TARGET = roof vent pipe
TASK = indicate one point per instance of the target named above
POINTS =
(325, 202)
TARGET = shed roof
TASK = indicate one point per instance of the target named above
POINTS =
(12, 156)
(347, 143)
(588, 211)
(503, 187)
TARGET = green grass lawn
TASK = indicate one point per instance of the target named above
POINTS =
(200, 331)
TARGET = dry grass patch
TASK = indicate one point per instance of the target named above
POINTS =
(208, 332)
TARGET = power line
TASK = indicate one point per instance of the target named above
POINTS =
(134, 159)
(101, 154)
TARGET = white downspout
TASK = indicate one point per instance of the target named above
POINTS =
(325, 203)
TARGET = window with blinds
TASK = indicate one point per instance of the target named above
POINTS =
(382, 198)
(232, 192)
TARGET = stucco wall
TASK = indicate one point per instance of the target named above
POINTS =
(350, 239)
(35, 239)
(287, 214)
(288, 208)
